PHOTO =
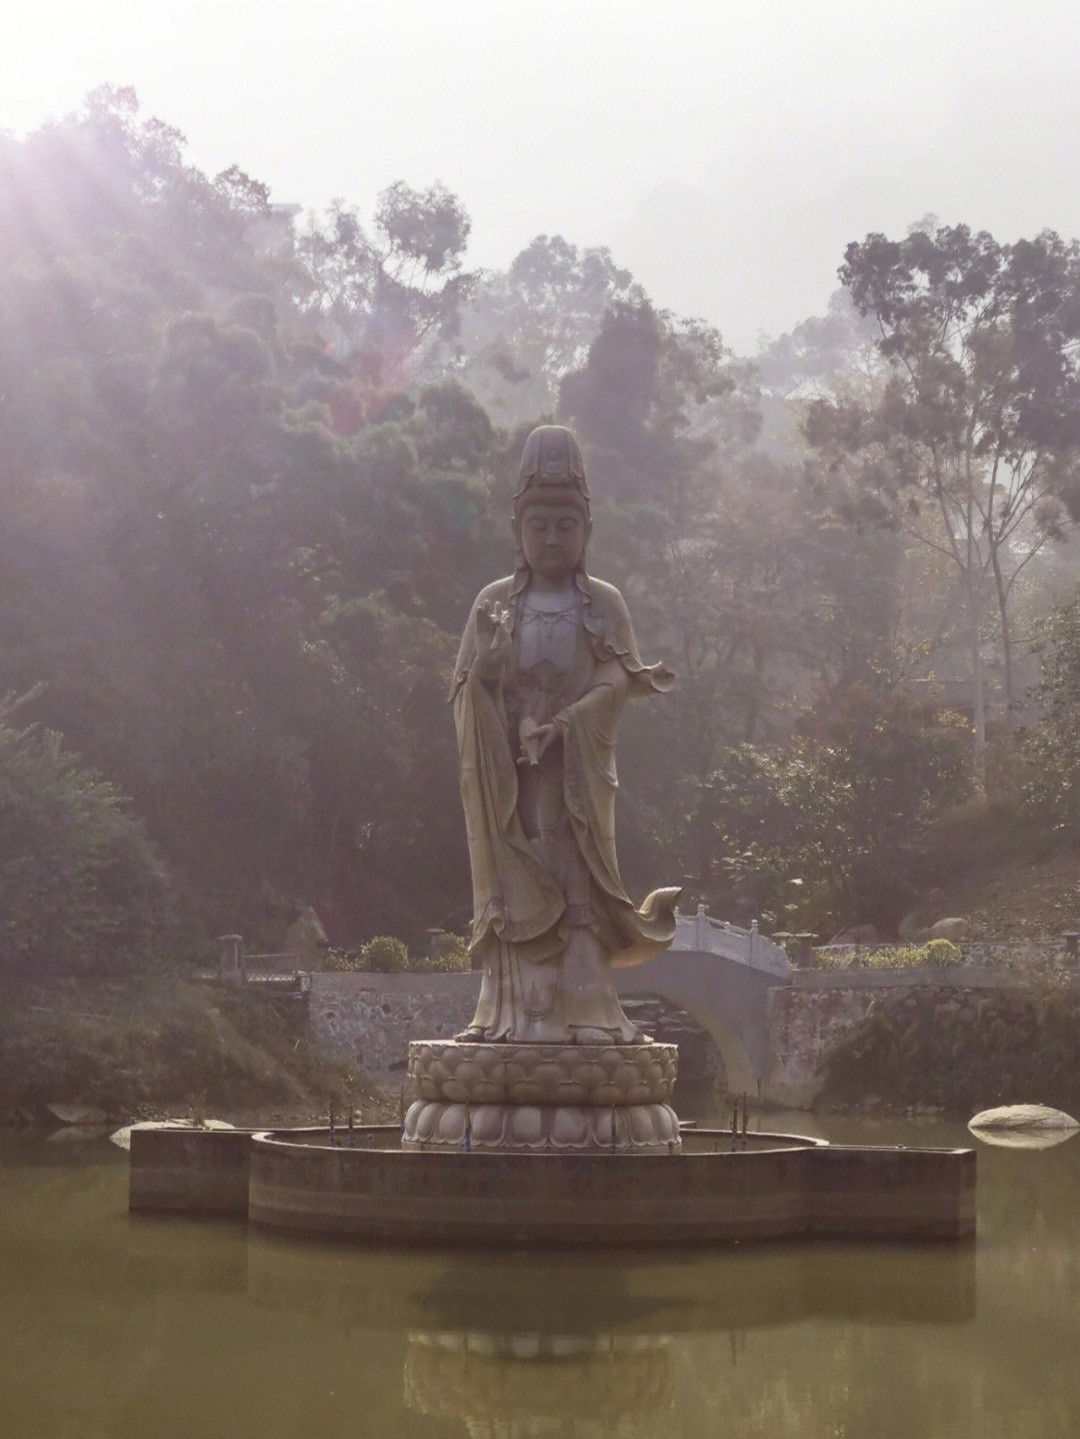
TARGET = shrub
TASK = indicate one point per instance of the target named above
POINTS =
(384, 954)
(451, 956)
(165, 1046)
(346, 961)
(941, 952)
(989, 1051)
(837, 822)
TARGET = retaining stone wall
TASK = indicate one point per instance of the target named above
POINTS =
(800, 1023)
(372, 1017)
(804, 1017)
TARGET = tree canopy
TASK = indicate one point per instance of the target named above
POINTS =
(255, 468)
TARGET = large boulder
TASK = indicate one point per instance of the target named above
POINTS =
(122, 1137)
(1023, 1126)
(953, 929)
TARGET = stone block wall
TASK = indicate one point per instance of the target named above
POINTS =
(370, 1018)
(1026, 955)
(801, 1021)
(805, 1016)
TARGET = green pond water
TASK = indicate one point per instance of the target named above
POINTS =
(114, 1327)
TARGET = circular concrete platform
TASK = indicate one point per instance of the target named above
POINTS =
(774, 1186)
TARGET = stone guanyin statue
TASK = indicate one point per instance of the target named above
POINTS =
(547, 662)
(550, 1063)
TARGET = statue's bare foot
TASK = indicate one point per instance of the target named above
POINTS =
(583, 1034)
(640, 1037)
(473, 1033)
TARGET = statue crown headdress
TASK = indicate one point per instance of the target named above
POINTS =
(552, 469)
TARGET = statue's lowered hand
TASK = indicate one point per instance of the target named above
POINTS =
(535, 739)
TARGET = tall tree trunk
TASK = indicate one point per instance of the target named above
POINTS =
(753, 704)
(1006, 640)
(977, 677)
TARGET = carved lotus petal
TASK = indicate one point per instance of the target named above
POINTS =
(487, 1123)
(426, 1121)
(569, 1127)
(643, 1126)
(527, 1125)
(452, 1122)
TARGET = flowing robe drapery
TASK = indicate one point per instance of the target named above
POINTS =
(530, 894)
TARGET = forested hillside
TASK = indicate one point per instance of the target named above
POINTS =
(254, 467)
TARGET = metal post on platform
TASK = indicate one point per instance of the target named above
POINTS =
(701, 928)
(231, 958)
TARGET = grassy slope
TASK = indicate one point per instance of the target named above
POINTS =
(1023, 896)
(168, 1048)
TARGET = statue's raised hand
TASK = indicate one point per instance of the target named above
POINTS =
(493, 638)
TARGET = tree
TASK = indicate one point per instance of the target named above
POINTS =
(972, 446)
(1052, 748)
(81, 886)
(740, 573)
(227, 593)
(822, 355)
(378, 300)
(521, 331)
(830, 829)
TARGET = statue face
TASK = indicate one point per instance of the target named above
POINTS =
(553, 539)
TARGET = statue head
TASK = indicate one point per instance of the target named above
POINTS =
(551, 500)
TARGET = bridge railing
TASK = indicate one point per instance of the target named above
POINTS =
(705, 935)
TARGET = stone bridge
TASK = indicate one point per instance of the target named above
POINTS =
(720, 975)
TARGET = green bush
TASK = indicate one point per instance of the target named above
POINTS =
(836, 822)
(384, 954)
(941, 952)
(163, 1046)
(450, 957)
(346, 961)
(982, 1053)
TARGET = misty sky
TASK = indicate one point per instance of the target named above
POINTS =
(724, 151)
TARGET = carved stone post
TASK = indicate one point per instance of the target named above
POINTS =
(231, 959)
(701, 928)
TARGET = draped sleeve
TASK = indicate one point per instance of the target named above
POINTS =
(514, 897)
(590, 781)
